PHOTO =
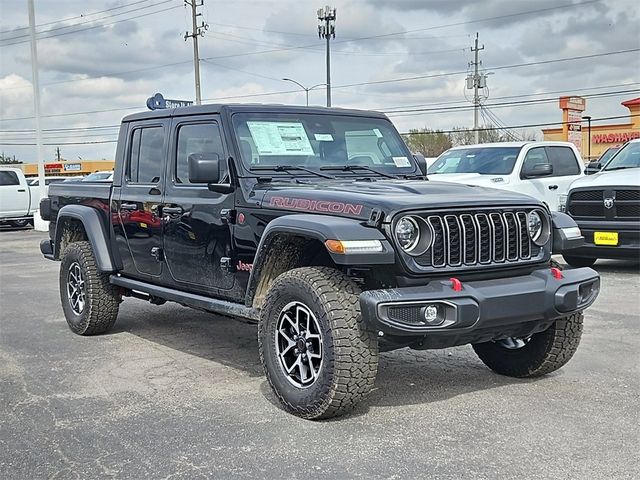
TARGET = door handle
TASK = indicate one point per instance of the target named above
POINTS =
(171, 210)
(553, 187)
(128, 206)
(21, 190)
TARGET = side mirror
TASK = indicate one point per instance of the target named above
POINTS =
(539, 170)
(593, 167)
(204, 168)
(422, 163)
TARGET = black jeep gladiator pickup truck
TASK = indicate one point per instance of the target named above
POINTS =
(319, 225)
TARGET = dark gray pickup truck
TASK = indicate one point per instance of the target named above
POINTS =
(317, 224)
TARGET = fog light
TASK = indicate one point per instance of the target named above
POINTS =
(432, 315)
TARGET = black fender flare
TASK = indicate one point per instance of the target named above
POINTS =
(321, 228)
(95, 229)
(559, 222)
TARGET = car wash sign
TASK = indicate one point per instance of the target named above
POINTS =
(158, 102)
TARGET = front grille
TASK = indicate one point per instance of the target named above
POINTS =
(621, 204)
(628, 195)
(464, 239)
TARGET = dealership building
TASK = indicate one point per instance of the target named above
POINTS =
(591, 138)
(67, 168)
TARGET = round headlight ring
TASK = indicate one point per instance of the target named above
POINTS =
(405, 223)
(538, 227)
(424, 239)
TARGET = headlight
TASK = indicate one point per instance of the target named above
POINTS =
(407, 233)
(562, 203)
(538, 227)
(413, 235)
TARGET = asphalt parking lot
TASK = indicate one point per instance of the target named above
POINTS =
(173, 392)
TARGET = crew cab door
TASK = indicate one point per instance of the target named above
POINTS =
(566, 169)
(140, 197)
(196, 233)
(15, 197)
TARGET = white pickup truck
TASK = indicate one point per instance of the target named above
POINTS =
(17, 205)
(543, 170)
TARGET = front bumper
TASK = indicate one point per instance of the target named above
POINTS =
(482, 310)
(628, 241)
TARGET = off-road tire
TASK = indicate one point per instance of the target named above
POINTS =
(102, 298)
(350, 350)
(545, 352)
(579, 261)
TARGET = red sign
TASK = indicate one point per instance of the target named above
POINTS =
(53, 166)
(614, 137)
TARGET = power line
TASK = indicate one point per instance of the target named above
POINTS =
(530, 125)
(73, 18)
(508, 104)
(97, 26)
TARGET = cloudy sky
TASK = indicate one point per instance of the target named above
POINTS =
(100, 60)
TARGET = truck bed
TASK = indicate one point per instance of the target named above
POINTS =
(93, 194)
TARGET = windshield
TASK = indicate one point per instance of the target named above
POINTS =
(485, 161)
(627, 157)
(606, 156)
(315, 141)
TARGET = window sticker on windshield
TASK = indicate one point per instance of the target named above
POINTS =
(377, 132)
(324, 137)
(280, 138)
(401, 162)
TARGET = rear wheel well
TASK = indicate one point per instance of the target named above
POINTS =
(68, 231)
(286, 252)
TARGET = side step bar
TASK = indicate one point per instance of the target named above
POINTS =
(191, 299)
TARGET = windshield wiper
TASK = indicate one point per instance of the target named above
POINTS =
(353, 168)
(618, 168)
(285, 168)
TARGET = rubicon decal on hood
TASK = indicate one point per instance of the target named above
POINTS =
(325, 206)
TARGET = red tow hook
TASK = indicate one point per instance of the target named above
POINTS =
(557, 273)
(456, 284)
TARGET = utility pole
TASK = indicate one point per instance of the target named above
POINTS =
(58, 156)
(196, 31)
(477, 81)
(38, 225)
(327, 30)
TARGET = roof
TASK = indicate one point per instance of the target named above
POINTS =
(512, 144)
(632, 102)
(247, 107)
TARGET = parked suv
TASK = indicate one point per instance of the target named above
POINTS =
(318, 225)
(606, 206)
(543, 170)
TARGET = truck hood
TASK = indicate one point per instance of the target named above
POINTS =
(357, 199)
(472, 179)
(629, 177)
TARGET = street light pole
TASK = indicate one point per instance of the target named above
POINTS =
(306, 90)
(588, 119)
(327, 30)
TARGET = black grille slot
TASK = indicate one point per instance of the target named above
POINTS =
(438, 250)
(628, 195)
(497, 224)
(525, 245)
(469, 239)
(587, 209)
(512, 236)
(587, 195)
(485, 237)
(455, 242)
